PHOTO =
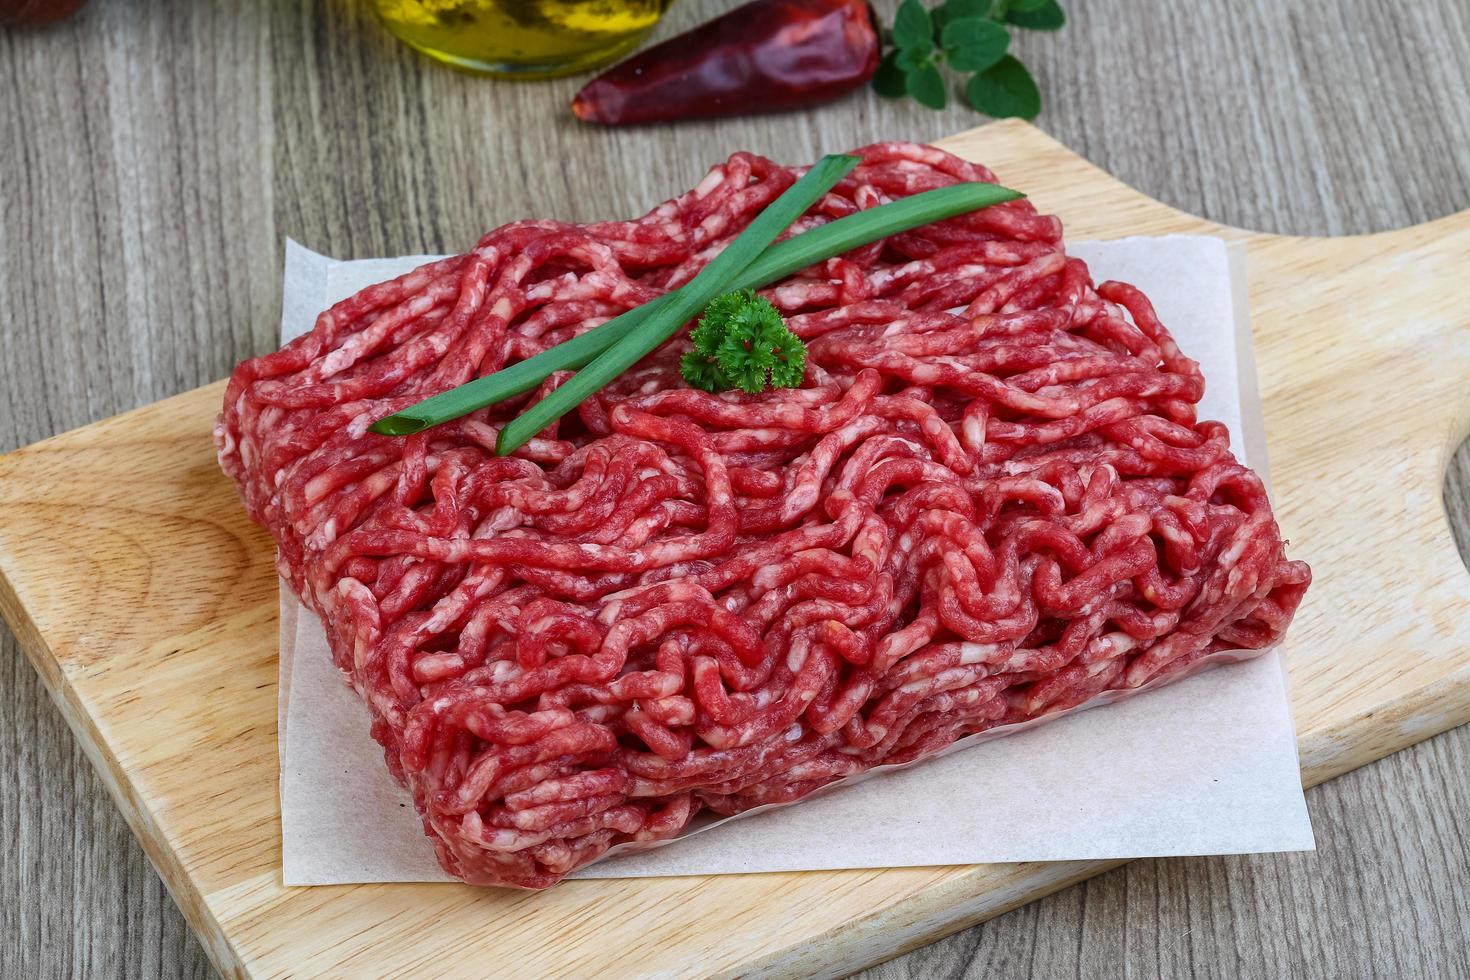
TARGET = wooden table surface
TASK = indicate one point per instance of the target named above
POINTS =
(154, 156)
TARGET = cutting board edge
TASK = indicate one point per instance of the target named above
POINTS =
(1456, 221)
(1424, 712)
(940, 911)
(160, 850)
(920, 919)
(935, 913)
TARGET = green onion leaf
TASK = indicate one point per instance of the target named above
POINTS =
(775, 263)
(856, 230)
(517, 378)
(715, 278)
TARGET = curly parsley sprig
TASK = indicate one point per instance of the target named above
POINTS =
(967, 36)
(742, 342)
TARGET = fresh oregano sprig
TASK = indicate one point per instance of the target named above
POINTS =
(968, 37)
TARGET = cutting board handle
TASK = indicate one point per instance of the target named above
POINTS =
(1363, 355)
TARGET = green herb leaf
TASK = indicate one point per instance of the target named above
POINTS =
(700, 371)
(756, 342)
(1024, 5)
(952, 10)
(713, 323)
(912, 27)
(1047, 16)
(790, 368)
(1005, 89)
(926, 85)
(888, 79)
(973, 44)
(746, 363)
(742, 342)
(912, 59)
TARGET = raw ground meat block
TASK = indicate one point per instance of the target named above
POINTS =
(990, 501)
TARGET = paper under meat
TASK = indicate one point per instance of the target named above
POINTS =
(1206, 765)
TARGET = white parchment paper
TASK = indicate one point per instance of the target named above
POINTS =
(1207, 765)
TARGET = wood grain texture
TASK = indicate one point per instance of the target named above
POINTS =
(164, 149)
(146, 601)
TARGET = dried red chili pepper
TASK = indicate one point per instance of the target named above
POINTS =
(34, 13)
(764, 56)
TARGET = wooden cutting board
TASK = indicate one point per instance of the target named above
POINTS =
(147, 602)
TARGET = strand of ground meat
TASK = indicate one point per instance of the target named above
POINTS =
(991, 500)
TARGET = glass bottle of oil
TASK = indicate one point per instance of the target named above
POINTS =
(524, 38)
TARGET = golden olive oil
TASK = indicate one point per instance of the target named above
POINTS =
(527, 38)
